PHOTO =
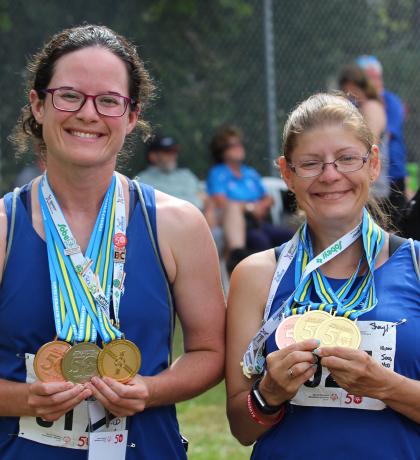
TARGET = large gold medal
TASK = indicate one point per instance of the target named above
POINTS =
(307, 325)
(80, 363)
(47, 362)
(339, 331)
(120, 360)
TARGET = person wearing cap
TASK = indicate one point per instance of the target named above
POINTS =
(163, 173)
(395, 114)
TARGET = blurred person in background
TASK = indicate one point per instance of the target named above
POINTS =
(395, 114)
(410, 220)
(242, 205)
(164, 174)
(30, 171)
(356, 84)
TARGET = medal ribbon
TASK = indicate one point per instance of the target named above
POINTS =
(362, 297)
(308, 275)
(58, 249)
(81, 288)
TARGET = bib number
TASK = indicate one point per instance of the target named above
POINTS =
(71, 430)
(379, 341)
(108, 446)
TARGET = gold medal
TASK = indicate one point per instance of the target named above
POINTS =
(80, 363)
(339, 331)
(47, 362)
(307, 325)
(284, 332)
(120, 360)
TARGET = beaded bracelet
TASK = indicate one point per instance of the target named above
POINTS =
(256, 418)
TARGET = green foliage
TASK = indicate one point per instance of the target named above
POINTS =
(203, 422)
(207, 59)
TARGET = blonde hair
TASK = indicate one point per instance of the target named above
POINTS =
(327, 109)
(324, 109)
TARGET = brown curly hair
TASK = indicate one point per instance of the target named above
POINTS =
(41, 69)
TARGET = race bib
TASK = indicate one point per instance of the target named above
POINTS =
(108, 446)
(71, 430)
(378, 340)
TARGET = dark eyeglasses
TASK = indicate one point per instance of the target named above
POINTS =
(108, 104)
(346, 163)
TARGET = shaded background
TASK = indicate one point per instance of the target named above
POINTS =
(207, 58)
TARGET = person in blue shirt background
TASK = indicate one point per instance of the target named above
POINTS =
(241, 202)
(395, 114)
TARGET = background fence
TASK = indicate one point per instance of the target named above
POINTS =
(208, 60)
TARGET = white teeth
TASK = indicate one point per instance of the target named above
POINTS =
(331, 195)
(84, 135)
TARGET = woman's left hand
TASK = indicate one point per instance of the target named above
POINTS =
(121, 399)
(356, 371)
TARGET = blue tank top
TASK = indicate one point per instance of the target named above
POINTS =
(26, 323)
(349, 434)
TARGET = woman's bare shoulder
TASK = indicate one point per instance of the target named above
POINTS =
(253, 276)
(374, 107)
(178, 214)
(262, 262)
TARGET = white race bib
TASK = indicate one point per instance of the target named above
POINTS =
(379, 340)
(71, 430)
(108, 446)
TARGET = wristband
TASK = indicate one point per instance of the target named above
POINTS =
(260, 403)
(256, 418)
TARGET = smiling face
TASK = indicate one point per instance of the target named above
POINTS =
(85, 138)
(332, 199)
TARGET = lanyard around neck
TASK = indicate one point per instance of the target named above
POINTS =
(86, 281)
(253, 360)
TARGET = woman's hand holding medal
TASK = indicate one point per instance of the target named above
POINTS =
(52, 400)
(357, 372)
(121, 399)
(287, 370)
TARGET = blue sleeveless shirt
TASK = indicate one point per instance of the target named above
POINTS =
(26, 323)
(348, 434)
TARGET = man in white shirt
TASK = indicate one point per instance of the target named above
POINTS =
(163, 172)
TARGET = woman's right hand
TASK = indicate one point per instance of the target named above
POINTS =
(52, 400)
(287, 370)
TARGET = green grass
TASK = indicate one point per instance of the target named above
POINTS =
(203, 422)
